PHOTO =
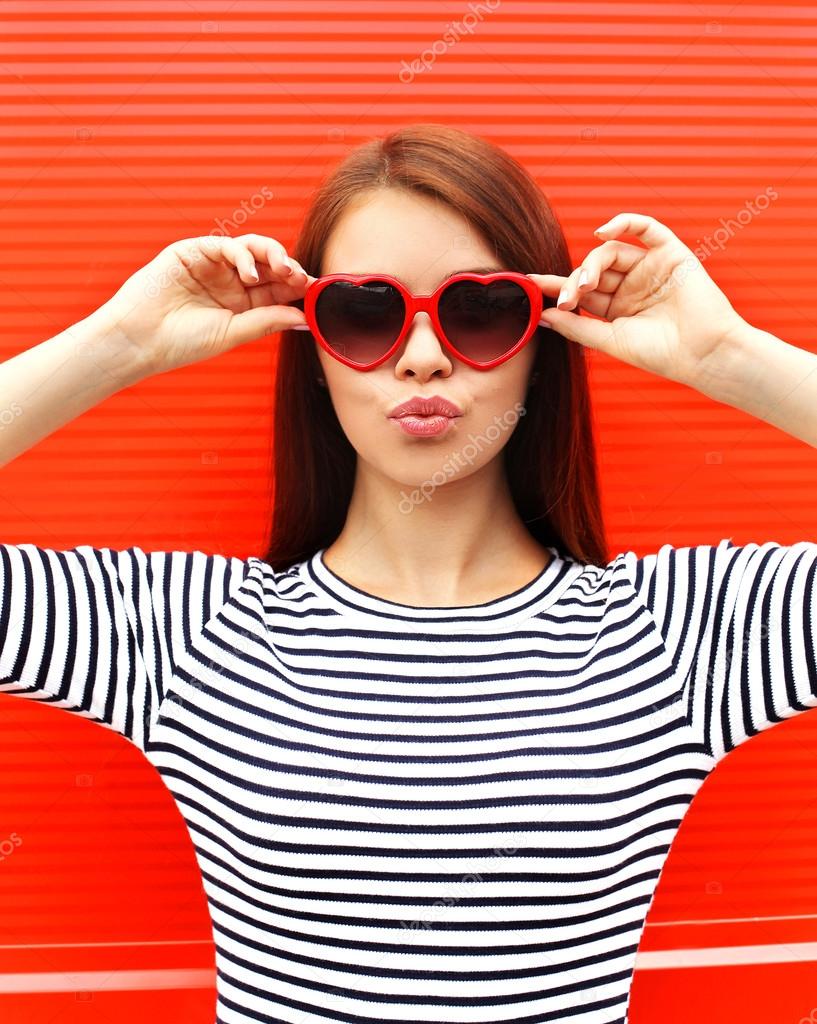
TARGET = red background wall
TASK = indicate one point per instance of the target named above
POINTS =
(129, 125)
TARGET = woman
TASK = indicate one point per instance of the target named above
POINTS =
(433, 750)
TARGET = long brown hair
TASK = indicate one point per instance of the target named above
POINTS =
(550, 457)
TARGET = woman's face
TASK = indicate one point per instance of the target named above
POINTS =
(421, 242)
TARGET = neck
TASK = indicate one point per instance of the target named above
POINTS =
(461, 543)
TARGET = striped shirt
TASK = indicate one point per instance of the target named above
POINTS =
(421, 814)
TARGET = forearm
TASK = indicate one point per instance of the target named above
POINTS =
(50, 384)
(766, 377)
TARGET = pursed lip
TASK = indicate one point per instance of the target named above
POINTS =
(435, 405)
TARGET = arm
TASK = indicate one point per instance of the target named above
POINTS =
(82, 629)
(737, 623)
(52, 383)
(196, 299)
(94, 631)
(766, 377)
(739, 620)
(98, 631)
(659, 310)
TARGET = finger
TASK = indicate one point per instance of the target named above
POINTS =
(594, 300)
(283, 270)
(568, 295)
(308, 278)
(229, 250)
(274, 293)
(292, 285)
(595, 334)
(269, 251)
(261, 321)
(605, 280)
(272, 252)
(603, 269)
(551, 284)
(298, 276)
(618, 257)
(651, 231)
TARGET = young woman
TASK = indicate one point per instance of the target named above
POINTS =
(432, 750)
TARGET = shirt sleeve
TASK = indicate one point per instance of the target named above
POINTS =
(97, 631)
(738, 624)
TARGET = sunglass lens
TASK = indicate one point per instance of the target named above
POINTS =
(360, 321)
(483, 321)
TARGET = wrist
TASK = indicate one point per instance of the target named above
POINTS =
(729, 369)
(100, 338)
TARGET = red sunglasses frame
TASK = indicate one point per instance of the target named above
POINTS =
(424, 304)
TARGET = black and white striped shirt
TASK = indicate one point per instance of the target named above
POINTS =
(421, 814)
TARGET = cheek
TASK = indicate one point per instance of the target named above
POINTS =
(355, 402)
(326, 362)
(356, 416)
(500, 389)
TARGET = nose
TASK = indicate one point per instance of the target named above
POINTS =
(422, 354)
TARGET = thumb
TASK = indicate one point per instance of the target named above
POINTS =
(586, 330)
(263, 320)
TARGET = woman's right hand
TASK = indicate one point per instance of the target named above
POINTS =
(198, 298)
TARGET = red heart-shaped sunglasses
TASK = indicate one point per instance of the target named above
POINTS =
(482, 319)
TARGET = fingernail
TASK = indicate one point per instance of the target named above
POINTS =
(300, 327)
(290, 266)
(253, 273)
(583, 276)
(562, 296)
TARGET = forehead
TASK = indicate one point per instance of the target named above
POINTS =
(415, 238)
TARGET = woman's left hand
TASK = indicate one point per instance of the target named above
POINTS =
(662, 311)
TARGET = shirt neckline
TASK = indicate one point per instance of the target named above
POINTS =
(528, 600)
